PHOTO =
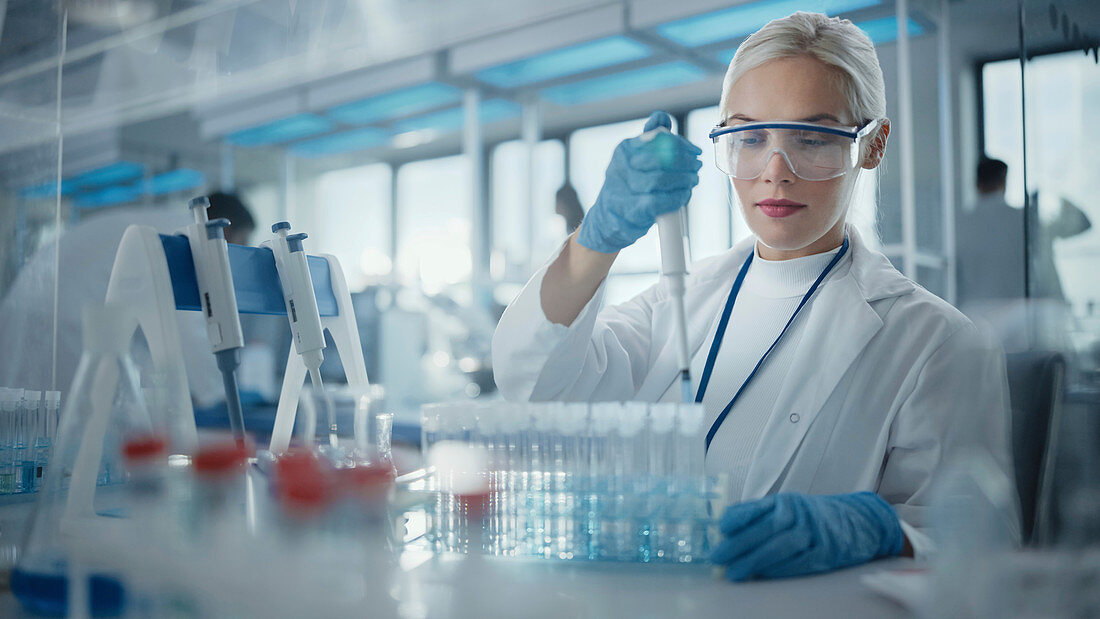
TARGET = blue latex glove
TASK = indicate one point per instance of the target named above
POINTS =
(649, 175)
(794, 534)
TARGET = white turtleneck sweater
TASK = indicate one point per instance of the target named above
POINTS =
(769, 295)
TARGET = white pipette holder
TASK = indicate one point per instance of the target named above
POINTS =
(154, 276)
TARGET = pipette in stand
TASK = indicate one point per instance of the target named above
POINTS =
(210, 252)
(670, 231)
(301, 310)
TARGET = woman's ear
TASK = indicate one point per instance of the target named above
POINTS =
(878, 146)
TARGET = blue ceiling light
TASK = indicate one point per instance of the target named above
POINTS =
(118, 172)
(567, 61)
(340, 143)
(45, 191)
(175, 180)
(745, 19)
(490, 111)
(626, 83)
(885, 30)
(117, 194)
(282, 130)
(404, 102)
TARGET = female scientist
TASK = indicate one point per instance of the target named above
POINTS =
(834, 387)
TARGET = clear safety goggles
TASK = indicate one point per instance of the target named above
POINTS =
(813, 152)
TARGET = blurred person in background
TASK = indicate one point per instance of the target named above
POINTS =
(992, 259)
(86, 257)
(568, 205)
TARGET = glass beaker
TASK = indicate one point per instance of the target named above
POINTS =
(363, 431)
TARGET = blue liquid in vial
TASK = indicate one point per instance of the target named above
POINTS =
(28, 476)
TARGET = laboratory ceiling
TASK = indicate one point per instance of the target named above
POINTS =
(324, 78)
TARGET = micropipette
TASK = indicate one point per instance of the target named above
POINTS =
(301, 310)
(210, 253)
(670, 230)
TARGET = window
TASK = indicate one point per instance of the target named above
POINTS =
(352, 221)
(520, 253)
(434, 223)
(1063, 93)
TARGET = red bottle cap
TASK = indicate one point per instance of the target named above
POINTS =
(303, 483)
(144, 447)
(220, 458)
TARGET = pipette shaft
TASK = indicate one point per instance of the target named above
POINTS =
(330, 409)
(228, 361)
(674, 268)
(670, 230)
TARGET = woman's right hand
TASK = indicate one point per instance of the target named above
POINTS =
(649, 175)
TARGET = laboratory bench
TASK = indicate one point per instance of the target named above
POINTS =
(503, 587)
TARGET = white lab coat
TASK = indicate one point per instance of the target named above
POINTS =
(886, 381)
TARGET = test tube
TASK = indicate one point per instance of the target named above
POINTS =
(543, 475)
(519, 452)
(452, 429)
(429, 436)
(19, 442)
(568, 421)
(52, 414)
(487, 438)
(690, 514)
(33, 418)
(7, 436)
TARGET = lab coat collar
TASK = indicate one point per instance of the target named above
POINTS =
(874, 276)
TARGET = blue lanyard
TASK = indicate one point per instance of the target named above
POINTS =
(721, 332)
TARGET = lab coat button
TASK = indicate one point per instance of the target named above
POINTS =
(794, 417)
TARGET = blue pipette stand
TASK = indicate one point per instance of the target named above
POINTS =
(155, 275)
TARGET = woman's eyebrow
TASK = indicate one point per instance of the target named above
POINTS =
(808, 119)
(740, 117)
(817, 117)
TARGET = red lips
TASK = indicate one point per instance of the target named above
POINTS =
(777, 208)
(779, 202)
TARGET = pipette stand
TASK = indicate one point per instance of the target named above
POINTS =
(141, 281)
(154, 276)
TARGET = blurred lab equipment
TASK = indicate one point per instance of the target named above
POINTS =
(105, 400)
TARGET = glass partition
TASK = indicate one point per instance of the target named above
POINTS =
(35, 208)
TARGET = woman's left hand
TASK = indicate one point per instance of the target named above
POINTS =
(794, 534)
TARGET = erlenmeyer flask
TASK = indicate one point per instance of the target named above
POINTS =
(104, 404)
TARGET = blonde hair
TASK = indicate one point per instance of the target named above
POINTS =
(836, 42)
